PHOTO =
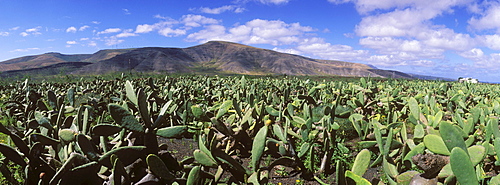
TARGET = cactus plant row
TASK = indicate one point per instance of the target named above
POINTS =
(249, 130)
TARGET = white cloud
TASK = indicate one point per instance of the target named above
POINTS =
(293, 36)
(83, 28)
(401, 59)
(289, 51)
(488, 19)
(71, 42)
(14, 28)
(166, 22)
(92, 44)
(398, 46)
(415, 34)
(319, 48)
(34, 30)
(422, 63)
(126, 33)
(4, 34)
(481, 60)
(403, 32)
(369, 6)
(222, 9)
(71, 30)
(257, 31)
(474, 54)
(109, 30)
(109, 41)
(126, 11)
(411, 46)
(166, 27)
(339, 1)
(446, 39)
(197, 20)
(31, 31)
(277, 2)
(96, 22)
(24, 50)
(169, 32)
(144, 28)
(490, 41)
(211, 32)
(158, 16)
(398, 23)
(83, 39)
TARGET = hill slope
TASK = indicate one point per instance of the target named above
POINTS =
(37, 61)
(211, 57)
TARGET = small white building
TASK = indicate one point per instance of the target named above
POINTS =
(467, 80)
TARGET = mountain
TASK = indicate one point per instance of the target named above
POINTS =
(37, 61)
(212, 57)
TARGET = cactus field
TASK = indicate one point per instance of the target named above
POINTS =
(193, 129)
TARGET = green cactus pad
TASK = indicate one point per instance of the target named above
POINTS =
(204, 158)
(221, 127)
(194, 176)
(142, 103)
(11, 154)
(419, 131)
(197, 111)
(21, 145)
(129, 88)
(127, 155)
(157, 167)
(43, 139)
(73, 160)
(258, 146)
(361, 162)
(477, 154)
(67, 135)
(406, 177)
(452, 137)
(358, 179)
(224, 108)
(414, 108)
(105, 129)
(416, 150)
(278, 132)
(86, 146)
(496, 145)
(83, 174)
(124, 118)
(172, 132)
(445, 171)
(495, 180)
(4, 130)
(227, 159)
(436, 144)
(271, 111)
(118, 171)
(462, 167)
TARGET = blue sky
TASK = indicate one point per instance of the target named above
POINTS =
(447, 38)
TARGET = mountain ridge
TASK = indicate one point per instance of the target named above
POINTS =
(211, 57)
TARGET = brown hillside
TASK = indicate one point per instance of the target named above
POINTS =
(211, 57)
(225, 57)
(37, 61)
